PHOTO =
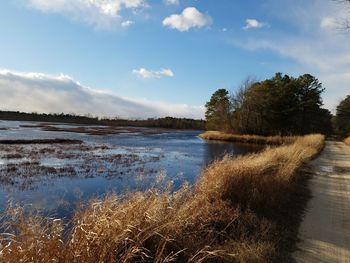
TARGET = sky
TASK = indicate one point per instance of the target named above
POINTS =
(155, 58)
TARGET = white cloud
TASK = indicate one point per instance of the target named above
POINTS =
(253, 24)
(99, 13)
(37, 92)
(329, 23)
(172, 2)
(127, 23)
(323, 54)
(150, 74)
(189, 18)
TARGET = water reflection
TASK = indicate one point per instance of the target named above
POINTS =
(216, 150)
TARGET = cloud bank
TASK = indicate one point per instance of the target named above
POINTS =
(37, 92)
(189, 18)
(100, 13)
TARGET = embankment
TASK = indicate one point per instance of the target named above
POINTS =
(240, 210)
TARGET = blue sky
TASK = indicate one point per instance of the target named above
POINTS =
(169, 54)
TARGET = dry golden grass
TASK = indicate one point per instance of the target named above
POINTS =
(228, 216)
(347, 140)
(256, 139)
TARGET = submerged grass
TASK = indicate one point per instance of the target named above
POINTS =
(236, 212)
(256, 139)
(347, 140)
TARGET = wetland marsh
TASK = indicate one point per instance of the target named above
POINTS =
(51, 167)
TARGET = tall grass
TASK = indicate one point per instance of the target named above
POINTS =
(256, 139)
(347, 140)
(229, 215)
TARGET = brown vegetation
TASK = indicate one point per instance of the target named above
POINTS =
(41, 141)
(26, 166)
(347, 140)
(91, 130)
(256, 139)
(99, 130)
(237, 212)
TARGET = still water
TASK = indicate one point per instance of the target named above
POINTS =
(120, 163)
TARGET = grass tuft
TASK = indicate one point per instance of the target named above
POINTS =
(232, 214)
(347, 140)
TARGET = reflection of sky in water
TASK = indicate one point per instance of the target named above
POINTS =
(182, 156)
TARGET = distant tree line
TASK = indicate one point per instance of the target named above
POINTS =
(167, 122)
(281, 105)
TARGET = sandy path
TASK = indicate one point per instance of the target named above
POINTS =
(325, 230)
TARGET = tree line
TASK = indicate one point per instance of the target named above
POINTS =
(282, 105)
(167, 122)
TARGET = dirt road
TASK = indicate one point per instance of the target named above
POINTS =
(325, 230)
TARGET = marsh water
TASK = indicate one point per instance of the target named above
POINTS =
(53, 178)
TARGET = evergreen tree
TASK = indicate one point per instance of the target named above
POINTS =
(218, 111)
(342, 118)
(281, 105)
